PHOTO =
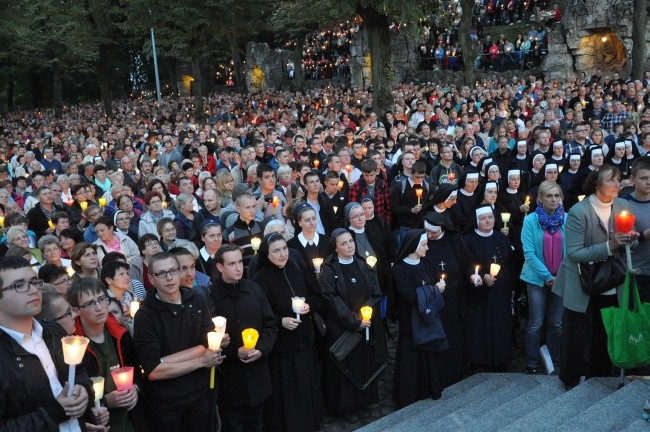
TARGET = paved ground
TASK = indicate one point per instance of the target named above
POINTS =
(352, 421)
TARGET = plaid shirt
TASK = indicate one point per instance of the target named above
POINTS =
(381, 199)
(611, 119)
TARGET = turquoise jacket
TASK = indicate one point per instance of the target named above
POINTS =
(532, 238)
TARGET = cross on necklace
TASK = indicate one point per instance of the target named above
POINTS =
(442, 265)
(494, 257)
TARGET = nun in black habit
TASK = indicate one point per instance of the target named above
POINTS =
(466, 201)
(348, 284)
(449, 258)
(489, 300)
(418, 371)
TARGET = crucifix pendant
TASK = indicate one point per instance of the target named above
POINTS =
(442, 265)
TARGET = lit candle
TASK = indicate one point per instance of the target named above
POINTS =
(505, 218)
(418, 193)
(494, 269)
(340, 184)
(318, 262)
(69, 271)
(50, 224)
(625, 222)
(102, 201)
(527, 201)
(255, 244)
(335, 208)
(316, 163)
(164, 205)
(371, 261)
(133, 308)
(74, 348)
(366, 314)
(581, 197)
(214, 343)
(364, 151)
(249, 337)
(297, 304)
(451, 176)
(70, 202)
(83, 205)
(220, 324)
(476, 275)
(348, 168)
(2, 221)
(98, 388)
(123, 377)
(274, 203)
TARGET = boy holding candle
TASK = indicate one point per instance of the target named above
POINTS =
(31, 359)
(170, 339)
(639, 201)
(248, 381)
(110, 347)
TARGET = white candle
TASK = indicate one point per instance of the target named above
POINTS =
(134, 307)
(476, 275)
(318, 262)
(505, 218)
(74, 348)
(297, 304)
(98, 388)
(255, 244)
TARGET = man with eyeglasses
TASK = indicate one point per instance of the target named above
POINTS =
(170, 338)
(580, 141)
(110, 347)
(33, 390)
(55, 276)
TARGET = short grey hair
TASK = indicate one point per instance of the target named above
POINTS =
(186, 244)
(48, 239)
(182, 199)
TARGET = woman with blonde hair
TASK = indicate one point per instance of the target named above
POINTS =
(225, 185)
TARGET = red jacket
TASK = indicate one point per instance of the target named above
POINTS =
(382, 196)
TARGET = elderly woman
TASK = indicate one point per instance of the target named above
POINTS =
(349, 284)
(184, 217)
(17, 236)
(296, 402)
(544, 246)
(590, 236)
(84, 261)
(166, 232)
(123, 225)
(113, 241)
(50, 246)
(154, 214)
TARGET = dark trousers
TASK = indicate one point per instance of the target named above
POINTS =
(582, 330)
(174, 417)
(242, 419)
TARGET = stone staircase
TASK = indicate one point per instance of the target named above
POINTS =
(517, 402)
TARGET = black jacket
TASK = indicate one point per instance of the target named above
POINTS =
(38, 222)
(244, 305)
(26, 400)
(161, 329)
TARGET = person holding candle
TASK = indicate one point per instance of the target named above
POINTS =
(418, 372)
(247, 382)
(372, 187)
(40, 402)
(592, 160)
(170, 340)
(296, 403)
(40, 215)
(590, 236)
(326, 220)
(113, 241)
(110, 346)
(245, 226)
(308, 242)
(544, 245)
(489, 303)
(449, 258)
(348, 284)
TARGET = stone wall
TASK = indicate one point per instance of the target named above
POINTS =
(594, 34)
(265, 67)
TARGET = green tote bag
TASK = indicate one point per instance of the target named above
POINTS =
(628, 329)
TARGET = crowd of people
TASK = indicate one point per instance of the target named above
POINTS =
(307, 225)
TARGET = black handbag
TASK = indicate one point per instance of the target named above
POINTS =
(342, 348)
(597, 277)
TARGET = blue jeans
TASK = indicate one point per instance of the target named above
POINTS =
(543, 304)
(399, 235)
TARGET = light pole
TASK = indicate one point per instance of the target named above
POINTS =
(155, 65)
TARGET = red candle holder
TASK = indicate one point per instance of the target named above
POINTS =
(625, 222)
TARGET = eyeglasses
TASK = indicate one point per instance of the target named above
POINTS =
(163, 274)
(65, 281)
(67, 314)
(23, 286)
(103, 300)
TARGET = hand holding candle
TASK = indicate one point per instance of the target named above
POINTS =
(418, 193)
(366, 315)
(297, 304)
(476, 276)
(74, 348)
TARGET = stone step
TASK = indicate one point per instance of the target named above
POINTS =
(443, 406)
(550, 387)
(555, 412)
(614, 412)
(639, 425)
(463, 418)
(417, 407)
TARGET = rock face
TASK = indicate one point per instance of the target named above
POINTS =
(405, 58)
(594, 34)
(265, 67)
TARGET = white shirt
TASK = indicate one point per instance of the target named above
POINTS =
(34, 344)
(303, 240)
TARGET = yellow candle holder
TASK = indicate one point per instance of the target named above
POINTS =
(249, 337)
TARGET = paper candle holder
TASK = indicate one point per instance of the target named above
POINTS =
(98, 388)
(318, 263)
(625, 222)
(297, 305)
(220, 324)
(249, 337)
(494, 269)
(123, 377)
(74, 348)
(134, 306)
(371, 261)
